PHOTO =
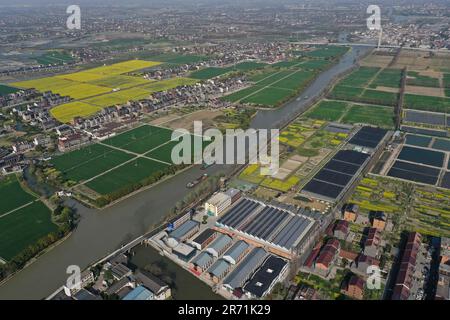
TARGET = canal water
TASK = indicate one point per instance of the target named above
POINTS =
(100, 232)
(183, 281)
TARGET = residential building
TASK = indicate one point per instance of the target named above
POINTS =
(372, 242)
(378, 219)
(340, 229)
(351, 212)
(354, 288)
(160, 290)
(327, 257)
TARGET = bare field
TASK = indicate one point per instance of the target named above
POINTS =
(387, 89)
(376, 61)
(425, 91)
(187, 121)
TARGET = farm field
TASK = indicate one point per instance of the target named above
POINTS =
(88, 162)
(387, 78)
(125, 175)
(273, 88)
(428, 103)
(416, 79)
(4, 90)
(328, 110)
(66, 112)
(10, 188)
(426, 213)
(141, 139)
(124, 162)
(209, 73)
(53, 58)
(23, 228)
(350, 113)
(306, 143)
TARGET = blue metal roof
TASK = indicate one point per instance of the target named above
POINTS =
(184, 229)
(139, 293)
(237, 249)
(219, 267)
(221, 242)
(202, 259)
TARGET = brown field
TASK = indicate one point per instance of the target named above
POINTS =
(425, 91)
(187, 121)
(421, 60)
(376, 61)
(387, 89)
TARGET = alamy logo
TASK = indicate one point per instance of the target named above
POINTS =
(374, 20)
(235, 147)
(74, 20)
(374, 278)
(74, 280)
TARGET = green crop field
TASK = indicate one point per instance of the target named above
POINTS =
(249, 65)
(315, 64)
(360, 77)
(415, 79)
(327, 52)
(269, 96)
(23, 228)
(54, 57)
(428, 103)
(4, 90)
(387, 78)
(328, 110)
(88, 162)
(141, 139)
(128, 174)
(348, 93)
(209, 73)
(379, 116)
(272, 88)
(379, 97)
(11, 190)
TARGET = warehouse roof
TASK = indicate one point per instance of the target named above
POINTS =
(202, 260)
(184, 229)
(220, 243)
(244, 270)
(219, 268)
(139, 293)
(236, 250)
(205, 235)
(265, 276)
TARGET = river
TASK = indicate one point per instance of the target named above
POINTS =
(101, 232)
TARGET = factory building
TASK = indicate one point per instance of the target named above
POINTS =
(220, 202)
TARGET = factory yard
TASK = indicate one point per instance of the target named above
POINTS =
(233, 242)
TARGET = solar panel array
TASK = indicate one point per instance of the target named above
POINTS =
(239, 213)
(414, 172)
(266, 223)
(368, 137)
(335, 176)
